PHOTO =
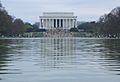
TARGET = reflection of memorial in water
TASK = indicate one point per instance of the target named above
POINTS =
(57, 52)
(59, 59)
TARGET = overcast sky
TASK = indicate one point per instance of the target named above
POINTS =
(86, 10)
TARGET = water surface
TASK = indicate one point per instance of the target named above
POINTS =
(59, 60)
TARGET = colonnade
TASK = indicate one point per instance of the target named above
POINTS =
(52, 23)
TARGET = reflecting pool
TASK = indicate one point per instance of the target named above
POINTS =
(65, 59)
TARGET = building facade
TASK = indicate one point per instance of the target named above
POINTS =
(60, 20)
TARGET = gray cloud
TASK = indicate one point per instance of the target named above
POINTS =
(86, 10)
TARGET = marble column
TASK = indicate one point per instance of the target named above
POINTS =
(60, 23)
(71, 22)
(48, 23)
(68, 23)
(44, 22)
(75, 23)
(63, 23)
(40, 24)
(52, 23)
(56, 23)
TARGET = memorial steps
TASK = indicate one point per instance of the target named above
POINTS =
(58, 33)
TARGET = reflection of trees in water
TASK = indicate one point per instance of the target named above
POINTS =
(57, 51)
(4, 58)
(6, 55)
(113, 46)
(111, 57)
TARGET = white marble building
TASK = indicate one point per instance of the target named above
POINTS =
(61, 20)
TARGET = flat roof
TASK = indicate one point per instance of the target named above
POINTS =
(58, 14)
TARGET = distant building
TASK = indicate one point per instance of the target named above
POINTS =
(60, 20)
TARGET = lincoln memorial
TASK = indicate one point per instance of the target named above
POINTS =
(58, 20)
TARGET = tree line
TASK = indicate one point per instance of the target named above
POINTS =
(108, 25)
(11, 26)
